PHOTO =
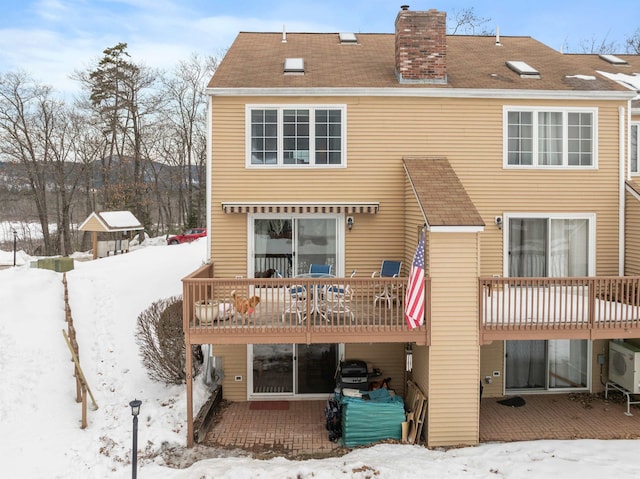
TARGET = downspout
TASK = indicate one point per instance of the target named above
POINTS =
(208, 174)
(623, 176)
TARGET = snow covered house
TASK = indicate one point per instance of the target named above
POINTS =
(518, 162)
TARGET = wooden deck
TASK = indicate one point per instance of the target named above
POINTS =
(554, 308)
(296, 310)
(370, 310)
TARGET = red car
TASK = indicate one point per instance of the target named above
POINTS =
(188, 236)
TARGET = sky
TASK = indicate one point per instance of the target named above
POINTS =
(40, 434)
(51, 39)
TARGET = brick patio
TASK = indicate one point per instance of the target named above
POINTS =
(300, 430)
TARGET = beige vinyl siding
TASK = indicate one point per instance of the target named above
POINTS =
(420, 371)
(496, 191)
(469, 132)
(388, 357)
(492, 359)
(632, 235)
(454, 354)
(234, 363)
(413, 222)
(600, 346)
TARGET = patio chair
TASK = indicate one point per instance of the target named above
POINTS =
(320, 269)
(295, 300)
(388, 269)
(337, 299)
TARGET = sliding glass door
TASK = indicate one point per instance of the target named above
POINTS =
(293, 369)
(553, 245)
(541, 247)
(290, 244)
(546, 365)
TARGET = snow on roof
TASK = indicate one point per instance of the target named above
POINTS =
(120, 219)
(111, 221)
(630, 81)
(582, 77)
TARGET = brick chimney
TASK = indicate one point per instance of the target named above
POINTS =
(421, 46)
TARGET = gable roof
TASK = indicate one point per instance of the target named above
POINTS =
(256, 61)
(440, 193)
(110, 221)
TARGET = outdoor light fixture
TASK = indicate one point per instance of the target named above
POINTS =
(135, 410)
(15, 242)
(135, 407)
(350, 222)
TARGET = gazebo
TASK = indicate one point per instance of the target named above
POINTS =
(110, 223)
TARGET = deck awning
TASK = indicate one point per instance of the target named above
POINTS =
(289, 207)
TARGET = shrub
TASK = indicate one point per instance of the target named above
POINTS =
(161, 340)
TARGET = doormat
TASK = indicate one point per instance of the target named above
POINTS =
(269, 405)
(515, 401)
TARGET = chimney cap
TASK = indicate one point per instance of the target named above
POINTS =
(404, 7)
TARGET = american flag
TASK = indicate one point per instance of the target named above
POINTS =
(414, 299)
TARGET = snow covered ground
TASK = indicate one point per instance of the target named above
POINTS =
(40, 434)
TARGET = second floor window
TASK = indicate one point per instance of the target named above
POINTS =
(541, 138)
(296, 136)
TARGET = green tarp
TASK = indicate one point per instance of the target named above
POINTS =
(366, 421)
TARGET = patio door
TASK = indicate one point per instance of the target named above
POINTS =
(290, 244)
(548, 245)
(292, 369)
(547, 365)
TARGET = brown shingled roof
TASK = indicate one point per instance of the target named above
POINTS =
(593, 62)
(440, 193)
(633, 184)
(256, 60)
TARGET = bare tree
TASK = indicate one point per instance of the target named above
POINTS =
(467, 22)
(26, 122)
(67, 172)
(593, 45)
(633, 43)
(184, 91)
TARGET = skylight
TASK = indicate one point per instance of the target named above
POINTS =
(614, 60)
(348, 38)
(294, 66)
(523, 69)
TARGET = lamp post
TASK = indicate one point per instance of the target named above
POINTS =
(15, 243)
(135, 410)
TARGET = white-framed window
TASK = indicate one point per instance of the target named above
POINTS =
(296, 135)
(549, 244)
(550, 137)
(634, 153)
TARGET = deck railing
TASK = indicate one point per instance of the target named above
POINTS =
(585, 307)
(268, 310)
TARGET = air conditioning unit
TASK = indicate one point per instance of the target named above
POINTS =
(624, 365)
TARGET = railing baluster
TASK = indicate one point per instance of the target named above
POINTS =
(577, 304)
(210, 309)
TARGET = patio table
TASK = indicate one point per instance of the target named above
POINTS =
(316, 293)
